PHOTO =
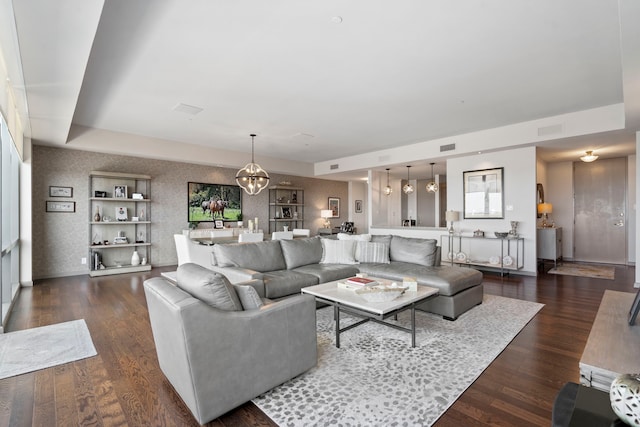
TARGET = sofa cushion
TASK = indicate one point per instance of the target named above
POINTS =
(382, 238)
(282, 283)
(248, 297)
(338, 251)
(298, 252)
(258, 256)
(413, 250)
(208, 286)
(372, 252)
(329, 272)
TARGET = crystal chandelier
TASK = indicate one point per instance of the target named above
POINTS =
(252, 178)
(388, 190)
(432, 186)
(408, 188)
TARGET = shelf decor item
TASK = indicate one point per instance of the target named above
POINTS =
(135, 258)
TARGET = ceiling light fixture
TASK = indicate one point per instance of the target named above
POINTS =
(252, 178)
(388, 190)
(432, 186)
(589, 157)
(408, 188)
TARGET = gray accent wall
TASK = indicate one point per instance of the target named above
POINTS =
(60, 240)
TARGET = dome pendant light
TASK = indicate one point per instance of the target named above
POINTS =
(252, 178)
(590, 157)
(432, 186)
(408, 188)
(388, 190)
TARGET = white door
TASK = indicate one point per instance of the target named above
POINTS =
(600, 211)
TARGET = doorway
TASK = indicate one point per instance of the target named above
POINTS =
(600, 211)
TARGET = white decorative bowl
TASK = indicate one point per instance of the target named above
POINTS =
(380, 294)
(625, 398)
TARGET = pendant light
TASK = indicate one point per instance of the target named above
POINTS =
(252, 178)
(388, 190)
(432, 186)
(408, 188)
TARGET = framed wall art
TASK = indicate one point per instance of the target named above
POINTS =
(334, 206)
(358, 206)
(60, 206)
(483, 194)
(120, 191)
(57, 191)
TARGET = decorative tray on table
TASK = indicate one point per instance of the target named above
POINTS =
(381, 293)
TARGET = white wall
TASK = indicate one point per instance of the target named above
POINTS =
(519, 196)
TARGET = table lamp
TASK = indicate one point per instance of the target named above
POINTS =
(326, 214)
(545, 209)
(451, 216)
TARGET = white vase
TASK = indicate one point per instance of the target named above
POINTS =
(135, 258)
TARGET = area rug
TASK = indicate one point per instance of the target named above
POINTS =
(43, 347)
(584, 270)
(376, 378)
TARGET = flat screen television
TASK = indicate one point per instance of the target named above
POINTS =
(214, 202)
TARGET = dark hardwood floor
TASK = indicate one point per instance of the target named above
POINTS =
(123, 385)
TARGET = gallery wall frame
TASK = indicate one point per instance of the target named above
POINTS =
(483, 194)
(358, 207)
(334, 206)
(58, 191)
(65, 207)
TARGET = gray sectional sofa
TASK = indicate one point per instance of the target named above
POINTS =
(281, 268)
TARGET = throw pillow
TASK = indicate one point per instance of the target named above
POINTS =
(208, 286)
(413, 250)
(299, 252)
(248, 297)
(372, 252)
(358, 237)
(338, 251)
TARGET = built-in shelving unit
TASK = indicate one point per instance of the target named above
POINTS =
(123, 224)
(286, 208)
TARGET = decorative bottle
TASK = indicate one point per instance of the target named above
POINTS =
(135, 258)
(96, 217)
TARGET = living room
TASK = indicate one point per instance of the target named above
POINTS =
(537, 146)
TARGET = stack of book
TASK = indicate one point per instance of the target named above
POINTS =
(353, 283)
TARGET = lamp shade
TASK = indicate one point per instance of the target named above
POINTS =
(545, 208)
(326, 213)
(452, 216)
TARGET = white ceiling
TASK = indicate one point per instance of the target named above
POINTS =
(390, 74)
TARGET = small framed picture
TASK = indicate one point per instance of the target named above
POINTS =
(120, 191)
(121, 213)
(219, 223)
(100, 194)
(286, 212)
(60, 206)
(358, 206)
(334, 206)
(57, 191)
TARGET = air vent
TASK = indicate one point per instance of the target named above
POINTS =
(187, 109)
(550, 130)
(333, 167)
(447, 147)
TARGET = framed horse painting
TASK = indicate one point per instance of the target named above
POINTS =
(214, 202)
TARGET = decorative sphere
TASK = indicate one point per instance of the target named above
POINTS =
(625, 398)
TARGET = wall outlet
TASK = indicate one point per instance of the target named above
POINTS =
(83, 261)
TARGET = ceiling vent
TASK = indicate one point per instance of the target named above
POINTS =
(550, 130)
(187, 109)
(334, 167)
(448, 147)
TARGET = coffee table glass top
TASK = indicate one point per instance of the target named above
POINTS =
(331, 292)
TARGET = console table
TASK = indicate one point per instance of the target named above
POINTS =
(505, 254)
(613, 346)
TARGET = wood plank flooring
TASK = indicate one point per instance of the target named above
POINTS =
(123, 385)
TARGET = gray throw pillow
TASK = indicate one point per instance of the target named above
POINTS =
(208, 286)
(413, 250)
(299, 252)
(248, 297)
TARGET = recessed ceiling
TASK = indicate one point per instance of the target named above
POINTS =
(390, 74)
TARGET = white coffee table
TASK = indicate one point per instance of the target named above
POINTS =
(352, 303)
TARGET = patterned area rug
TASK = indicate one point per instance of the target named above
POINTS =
(43, 347)
(376, 378)
(584, 270)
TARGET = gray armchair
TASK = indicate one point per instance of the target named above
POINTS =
(218, 359)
